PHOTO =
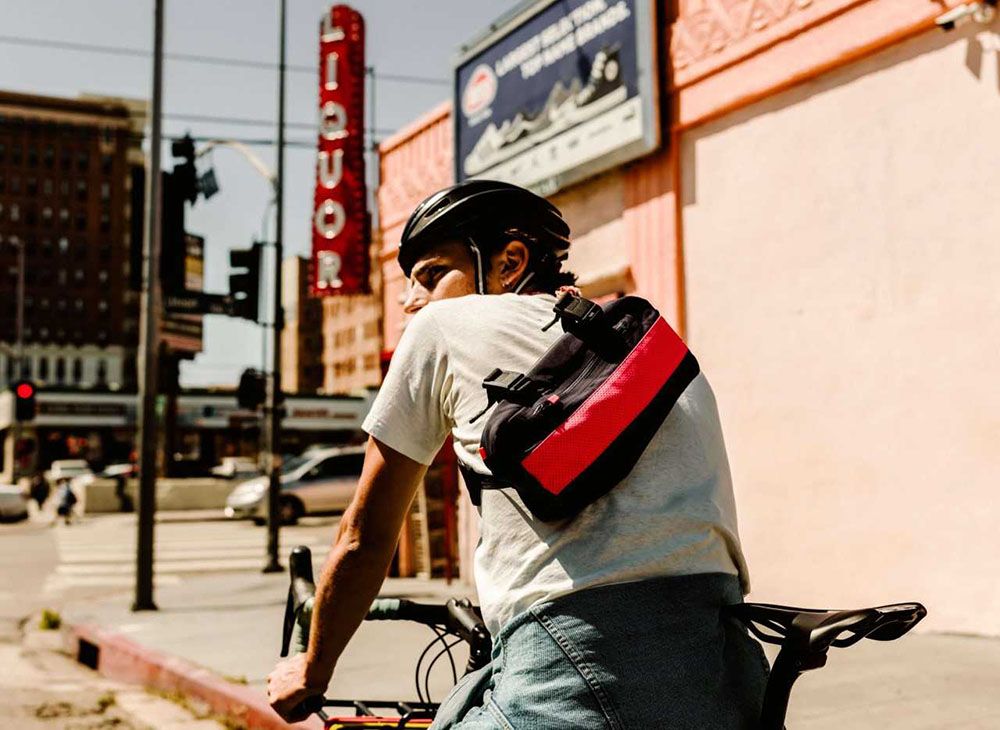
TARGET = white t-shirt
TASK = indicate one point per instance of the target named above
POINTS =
(674, 514)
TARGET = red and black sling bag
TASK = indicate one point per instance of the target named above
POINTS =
(566, 432)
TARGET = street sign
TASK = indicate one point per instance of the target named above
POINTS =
(199, 303)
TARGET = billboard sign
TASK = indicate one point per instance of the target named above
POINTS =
(559, 91)
(340, 225)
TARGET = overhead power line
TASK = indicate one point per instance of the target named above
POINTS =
(205, 59)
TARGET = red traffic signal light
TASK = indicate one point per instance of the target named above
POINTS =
(24, 400)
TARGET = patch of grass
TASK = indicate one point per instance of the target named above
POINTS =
(198, 710)
(105, 701)
(50, 620)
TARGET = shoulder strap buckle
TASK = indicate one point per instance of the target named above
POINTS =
(506, 385)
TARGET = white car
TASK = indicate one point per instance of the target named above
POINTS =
(13, 505)
(82, 481)
(66, 469)
(232, 467)
(320, 481)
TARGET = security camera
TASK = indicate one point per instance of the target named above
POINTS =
(981, 12)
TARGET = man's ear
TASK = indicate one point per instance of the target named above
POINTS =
(515, 258)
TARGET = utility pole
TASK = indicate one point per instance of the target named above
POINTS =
(18, 354)
(149, 341)
(274, 400)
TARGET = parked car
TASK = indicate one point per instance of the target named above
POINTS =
(63, 469)
(111, 471)
(13, 504)
(316, 482)
(234, 467)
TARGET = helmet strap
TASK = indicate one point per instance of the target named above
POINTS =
(524, 282)
(477, 265)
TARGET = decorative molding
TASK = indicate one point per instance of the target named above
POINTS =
(711, 34)
(410, 183)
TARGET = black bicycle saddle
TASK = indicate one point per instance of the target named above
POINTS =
(816, 630)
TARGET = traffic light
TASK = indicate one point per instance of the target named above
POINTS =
(244, 284)
(185, 173)
(24, 400)
(251, 391)
(172, 235)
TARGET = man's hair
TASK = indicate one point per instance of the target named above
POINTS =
(549, 275)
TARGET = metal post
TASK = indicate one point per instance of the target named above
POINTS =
(18, 354)
(149, 349)
(273, 565)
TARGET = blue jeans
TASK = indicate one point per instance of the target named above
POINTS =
(650, 654)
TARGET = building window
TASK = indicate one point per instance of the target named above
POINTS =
(107, 163)
(47, 215)
(63, 244)
(61, 304)
(64, 187)
(64, 159)
(78, 276)
(3, 151)
(48, 156)
(43, 367)
(105, 191)
(64, 215)
(82, 160)
(102, 276)
(102, 372)
(15, 185)
(15, 155)
(81, 222)
(32, 156)
(102, 306)
(10, 369)
(31, 186)
(81, 190)
(77, 370)
(15, 213)
(47, 186)
(105, 221)
(78, 305)
(60, 369)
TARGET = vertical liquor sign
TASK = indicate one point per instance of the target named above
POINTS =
(340, 217)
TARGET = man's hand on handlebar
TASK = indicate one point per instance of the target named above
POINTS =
(293, 694)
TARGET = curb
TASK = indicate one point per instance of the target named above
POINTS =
(119, 658)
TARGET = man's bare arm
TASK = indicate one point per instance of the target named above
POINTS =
(361, 555)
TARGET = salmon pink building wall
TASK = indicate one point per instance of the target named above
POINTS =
(814, 225)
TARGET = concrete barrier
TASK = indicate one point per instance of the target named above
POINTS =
(171, 494)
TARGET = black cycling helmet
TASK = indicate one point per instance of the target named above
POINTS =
(481, 210)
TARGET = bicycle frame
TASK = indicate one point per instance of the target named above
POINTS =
(805, 637)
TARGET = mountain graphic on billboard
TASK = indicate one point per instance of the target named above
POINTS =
(565, 107)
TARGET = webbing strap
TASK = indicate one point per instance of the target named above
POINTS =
(476, 483)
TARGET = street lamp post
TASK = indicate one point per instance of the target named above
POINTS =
(274, 403)
(18, 350)
(149, 342)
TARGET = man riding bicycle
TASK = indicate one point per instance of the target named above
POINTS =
(608, 619)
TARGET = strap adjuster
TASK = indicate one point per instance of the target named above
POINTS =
(506, 385)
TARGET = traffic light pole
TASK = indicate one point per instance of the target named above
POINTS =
(149, 349)
(274, 405)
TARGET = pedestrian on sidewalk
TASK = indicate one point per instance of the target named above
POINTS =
(67, 500)
(39, 490)
(609, 618)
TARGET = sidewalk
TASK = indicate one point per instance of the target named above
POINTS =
(231, 625)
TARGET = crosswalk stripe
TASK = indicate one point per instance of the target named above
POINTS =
(126, 554)
(57, 583)
(102, 553)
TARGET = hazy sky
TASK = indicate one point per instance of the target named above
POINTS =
(408, 38)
